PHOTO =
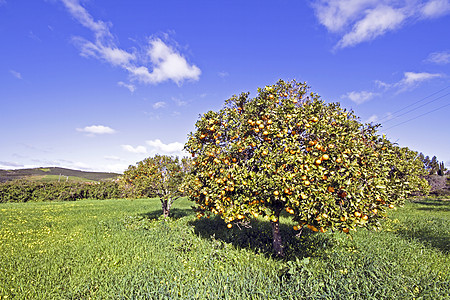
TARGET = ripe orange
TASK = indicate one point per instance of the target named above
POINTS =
(295, 228)
(306, 182)
(312, 228)
(346, 230)
(391, 206)
(325, 157)
(365, 217)
(276, 193)
(357, 214)
(330, 189)
(229, 225)
(338, 160)
(303, 196)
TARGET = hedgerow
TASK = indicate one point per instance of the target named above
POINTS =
(26, 191)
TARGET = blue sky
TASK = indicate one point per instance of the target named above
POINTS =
(99, 85)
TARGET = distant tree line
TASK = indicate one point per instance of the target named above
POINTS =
(433, 166)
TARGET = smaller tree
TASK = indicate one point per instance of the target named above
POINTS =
(158, 176)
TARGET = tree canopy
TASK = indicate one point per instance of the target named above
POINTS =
(286, 149)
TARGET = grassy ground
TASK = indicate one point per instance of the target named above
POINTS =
(120, 249)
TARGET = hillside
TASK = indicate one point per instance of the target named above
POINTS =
(53, 173)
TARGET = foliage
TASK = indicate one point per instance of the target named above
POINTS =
(288, 149)
(433, 166)
(25, 191)
(158, 176)
(120, 249)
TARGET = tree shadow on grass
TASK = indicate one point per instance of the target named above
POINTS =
(434, 205)
(175, 213)
(258, 237)
(428, 237)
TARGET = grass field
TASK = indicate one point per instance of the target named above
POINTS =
(120, 249)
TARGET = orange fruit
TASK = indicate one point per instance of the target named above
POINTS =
(229, 225)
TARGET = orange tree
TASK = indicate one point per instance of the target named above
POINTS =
(286, 149)
(158, 176)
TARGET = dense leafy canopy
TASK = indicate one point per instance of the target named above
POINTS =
(288, 149)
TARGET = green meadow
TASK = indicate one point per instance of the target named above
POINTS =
(122, 249)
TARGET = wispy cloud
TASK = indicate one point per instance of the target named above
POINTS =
(223, 74)
(360, 21)
(129, 86)
(440, 58)
(137, 149)
(158, 62)
(159, 104)
(359, 97)
(15, 74)
(179, 102)
(97, 129)
(409, 81)
(435, 8)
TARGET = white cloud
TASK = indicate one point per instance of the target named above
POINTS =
(376, 22)
(162, 148)
(409, 81)
(116, 168)
(129, 86)
(163, 60)
(360, 21)
(336, 15)
(411, 78)
(359, 97)
(110, 54)
(15, 74)
(441, 58)
(159, 104)
(167, 64)
(436, 8)
(97, 129)
(138, 149)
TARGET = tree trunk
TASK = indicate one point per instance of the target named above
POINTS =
(165, 208)
(277, 241)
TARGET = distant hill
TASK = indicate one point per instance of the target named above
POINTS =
(55, 174)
